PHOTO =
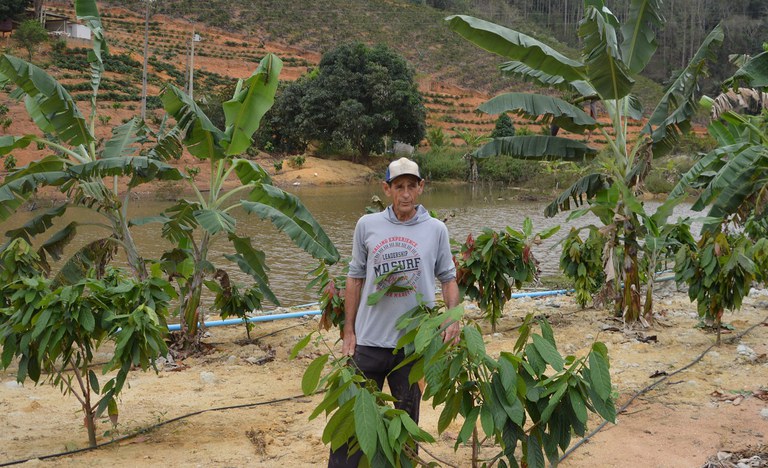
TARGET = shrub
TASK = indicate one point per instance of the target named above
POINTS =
(442, 164)
(297, 162)
(278, 165)
(508, 170)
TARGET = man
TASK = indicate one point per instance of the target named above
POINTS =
(405, 239)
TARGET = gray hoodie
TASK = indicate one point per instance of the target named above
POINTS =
(418, 249)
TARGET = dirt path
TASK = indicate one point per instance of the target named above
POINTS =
(679, 423)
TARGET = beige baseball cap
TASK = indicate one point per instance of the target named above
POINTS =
(402, 166)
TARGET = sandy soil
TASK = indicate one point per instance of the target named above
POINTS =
(691, 416)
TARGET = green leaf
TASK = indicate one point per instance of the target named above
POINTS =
(22, 184)
(215, 221)
(289, 215)
(753, 74)
(312, 375)
(37, 225)
(469, 425)
(534, 455)
(366, 420)
(252, 262)
(602, 57)
(673, 113)
(559, 112)
(201, 137)
(561, 387)
(639, 33)
(548, 351)
(523, 72)
(299, 346)
(583, 189)
(486, 420)
(535, 147)
(94, 381)
(126, 139)
(517, 46)
(8, 143)
(250, 172)
(475, 344)
(140, 168)
(577, 404)
(600, 375)
(48, 103)
(252, 99)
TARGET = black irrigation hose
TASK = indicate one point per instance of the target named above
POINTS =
(652, 386)
(151, 428)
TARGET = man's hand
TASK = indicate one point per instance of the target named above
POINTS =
(348, 346)
(452, 334)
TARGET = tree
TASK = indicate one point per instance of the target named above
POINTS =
(612, 58)
(359, 96)
(30, 34)
(504, 127)
(11, 9)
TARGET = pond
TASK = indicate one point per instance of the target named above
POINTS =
(468, 209)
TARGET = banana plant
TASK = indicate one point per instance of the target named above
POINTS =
(195, 225)
(732, 178)
(612, 57)
(80, 162)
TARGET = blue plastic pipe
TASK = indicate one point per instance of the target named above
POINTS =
(269, 318)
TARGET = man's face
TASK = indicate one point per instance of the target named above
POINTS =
(404, 192)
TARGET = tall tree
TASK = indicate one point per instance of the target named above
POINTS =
(361, 95)
(12, 9)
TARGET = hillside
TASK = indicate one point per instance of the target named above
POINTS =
(454, 76)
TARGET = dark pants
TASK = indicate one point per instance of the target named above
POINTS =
(377, 364)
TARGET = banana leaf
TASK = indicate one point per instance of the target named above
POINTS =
(523, 72)
(679, 103)
(289, 215)
(252, 262)
(88, 12)
(559, 112)
(734, 182)
(23, 183)
(55, 245)
(141, 169)
(583, 189)
(252, 99)
(181, 221)
(639, 33)
(250, 172)
(535, 147)
(95, 255)
(517, 46)
(9, 143)
(48, 103)
(201, 137)
(168, 146)
(126, 140)
(215, 221)
(607, 73)
(703, 165)
(753, 74)
(37, 225)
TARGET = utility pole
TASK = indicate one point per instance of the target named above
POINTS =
(146, 59)
(192, 63)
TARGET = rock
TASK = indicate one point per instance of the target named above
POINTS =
(498, 335)
(231, 360)
(764, 413)
(723, 456)
(13, 384)
(208, 377)
(746, 353)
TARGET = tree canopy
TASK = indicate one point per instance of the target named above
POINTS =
(358, 96)
(11, 9)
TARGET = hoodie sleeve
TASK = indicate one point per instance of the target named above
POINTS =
(445, 269)
(357, 266)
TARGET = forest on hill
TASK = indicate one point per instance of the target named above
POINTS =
(415, 29)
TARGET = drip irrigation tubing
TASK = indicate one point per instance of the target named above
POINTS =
(151, 428)
(653, 385)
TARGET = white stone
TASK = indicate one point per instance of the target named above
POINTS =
(208, 377)
(764, 413)
(231, 360)
(13, 384)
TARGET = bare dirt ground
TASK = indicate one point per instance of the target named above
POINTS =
(713, 406)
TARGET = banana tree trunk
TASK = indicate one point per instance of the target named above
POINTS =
(190, 307)
(631, 291)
